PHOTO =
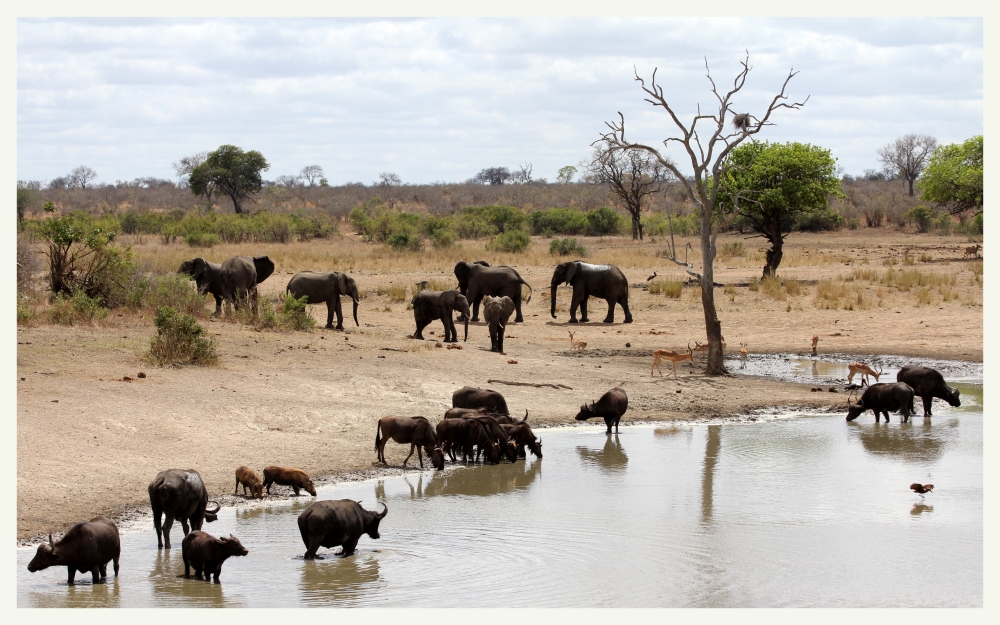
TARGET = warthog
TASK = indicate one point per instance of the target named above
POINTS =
(928, 383)
(283, 476)
(417, 431)
(87, 546)
(204, 552)
(330, 523)
(249, 479)
(179, 494)
(470, 397)
(883, 398)
(610, 407)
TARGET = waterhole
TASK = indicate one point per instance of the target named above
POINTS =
(804, 510)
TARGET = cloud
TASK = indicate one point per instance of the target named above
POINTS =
(439, 99)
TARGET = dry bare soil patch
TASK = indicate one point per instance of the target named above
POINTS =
(89, 443)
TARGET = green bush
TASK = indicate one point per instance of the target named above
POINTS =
(293, 313)
(513, 242)
(566, 247)
(25, 309)
(179, 340)
(443, 238)
(658, 224)
(943, 224)
(552, 221)
(178, 292)
(972, 227)
(201, 239)
(405, 241)
(921, 216)
(818, 220)
(76, 308)
(604, 221)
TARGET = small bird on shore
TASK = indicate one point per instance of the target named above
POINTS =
(920, 489)
(651, 277)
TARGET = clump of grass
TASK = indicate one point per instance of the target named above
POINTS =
(670, 288)
(733, 250)
(754, 285)
(76, 308)
(441, 285)
(696, 293)
(947, 293)
(890, 262)
(923, 295)
(771, 286)
(792, 286)
(566, 247)
(25, 309)
(179, 340)
(396, 292)
(868, 275)
(926, 258)
(908, 259)
(829, 293)
(730, 290)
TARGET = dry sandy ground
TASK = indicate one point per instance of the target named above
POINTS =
(89, 443)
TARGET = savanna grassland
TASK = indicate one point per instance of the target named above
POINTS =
(89, 442)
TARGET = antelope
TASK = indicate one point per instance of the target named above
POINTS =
(859, 367)
(673, 357)
(577, 345)
(743, 355)
(815, 342)
(972, 250)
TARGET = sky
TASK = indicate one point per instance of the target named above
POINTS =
(437, 100)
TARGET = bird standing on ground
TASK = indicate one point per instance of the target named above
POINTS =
(651, 277)
(920, 489)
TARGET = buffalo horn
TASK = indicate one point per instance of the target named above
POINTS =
(211, 511)
(51, 544)
(525, 419)
(385, 511)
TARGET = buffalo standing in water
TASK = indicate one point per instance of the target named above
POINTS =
(884, 398)
(928, 383)
(179, 494)
(204, 552)
(610, 407)
(87, 546)
(330, 523)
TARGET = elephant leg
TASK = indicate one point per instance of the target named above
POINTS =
(450, 336)
(329, 314)
(475, 307)
(624, 302)
(421, 324)
(583, 308)
(611, 311)
(518, 318)
(340, 312)
(574, 304)
(493, 338)
(500, 331)
(218, 305)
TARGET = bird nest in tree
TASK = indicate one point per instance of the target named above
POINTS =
(741, 121)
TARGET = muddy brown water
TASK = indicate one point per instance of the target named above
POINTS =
(801, 510)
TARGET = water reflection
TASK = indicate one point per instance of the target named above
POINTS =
(80, 595)
(673, 430)
(338, 580)
(712, 445)
(611, 458)
(916, 441)
(481, 481)
(168, 581)
(920, 508)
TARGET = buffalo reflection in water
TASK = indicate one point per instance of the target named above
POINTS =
(168, 580)
(912, 442)
(482, 480)
(342, 581)
(611, 458)
(82, 594)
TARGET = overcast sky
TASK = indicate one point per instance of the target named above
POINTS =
(440, 99)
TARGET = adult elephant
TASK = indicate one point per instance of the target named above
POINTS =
(429, 305)
(476, 280)
(497, 312)
(326, 287)
(232, 281)
(604, 281)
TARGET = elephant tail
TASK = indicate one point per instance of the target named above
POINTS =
(527, 299)
(378, 439)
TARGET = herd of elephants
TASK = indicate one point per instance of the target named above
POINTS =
(478, 424)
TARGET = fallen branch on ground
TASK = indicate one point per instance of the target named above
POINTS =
(528, 384)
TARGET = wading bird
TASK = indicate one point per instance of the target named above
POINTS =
(920, 489)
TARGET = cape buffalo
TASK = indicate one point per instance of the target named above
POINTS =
(470, 397)
(329, 523)
(416, 431)
(87, 546)
(610, 407)
(249, 478)
(179, 494)
(455, 413)
(204, 552)
(283, 476)
(881, 399)
(465, 434)
(927, 383)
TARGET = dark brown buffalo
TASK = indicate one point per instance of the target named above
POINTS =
(329, 523)
(610, 407)
(470, 397)
(87, 547)
(448, 434)
(503, 418)
(179, 494)
(203, 552)
(417, 431)
(249, 479)
(927, 384)
(884, 398)
(522, 436)
(465, 436)
(455, 413)
(284, 476)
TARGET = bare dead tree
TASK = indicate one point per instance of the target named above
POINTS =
(81, 176)
(906, 156)
(522, 175)
(311, 174)
(708, 166)
(632, 177)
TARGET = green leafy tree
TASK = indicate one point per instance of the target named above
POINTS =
(565, 175)
(27, 195)
(953, 178)
(230, 171)
(771, 184)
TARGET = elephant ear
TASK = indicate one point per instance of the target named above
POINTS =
(342, 283)
(264, 266)
(508, 306)
(571, 271)
(462, 273)
(198, 268)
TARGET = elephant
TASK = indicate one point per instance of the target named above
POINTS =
(234, 279)
(326, 287)
(429, 305)
(476, 280)
(496, 312)
(604, 281)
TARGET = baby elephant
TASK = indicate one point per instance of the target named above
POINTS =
(282, 476)
(249, 479)
(205, 552)
(496, 312)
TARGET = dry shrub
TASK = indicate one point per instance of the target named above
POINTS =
(669, 288)
(754, 285)
(441, 285)
(771, 286)
(926, 258)
(923, 296)
(77, 308)
(396, 292)
(829, 293)
(730, 290)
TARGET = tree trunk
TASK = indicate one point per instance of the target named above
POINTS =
(636, 228)
(910, 180)
(713, 327)
(773, 256)
(236, 204)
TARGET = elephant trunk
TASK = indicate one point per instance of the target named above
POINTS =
(553, 300)
(355, 299)
(466, 328)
